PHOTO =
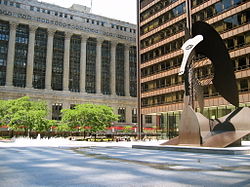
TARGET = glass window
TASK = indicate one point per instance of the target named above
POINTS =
(105, 77)
(122, 115)
(4, 36)
(218, 7)
(40, 52)
(180, 9)
(74, 66)
(120, 70)
(226, 4)
(133, 71)
(243, 84)
(148, 119)
(20, 59)
(240, 40)
(91, 66)
(56, 111)
(57, 61)
(134, 115)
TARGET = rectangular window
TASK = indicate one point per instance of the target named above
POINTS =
(56, 111)
(122, 113)
(120, 70)
(57, 61)
(74, 67)
(20, 58)
(40, 50)
(134, 115)
(148, 119)
(243, 83)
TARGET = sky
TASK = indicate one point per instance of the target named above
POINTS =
(124, 10)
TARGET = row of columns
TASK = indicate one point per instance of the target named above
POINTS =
(30, 61)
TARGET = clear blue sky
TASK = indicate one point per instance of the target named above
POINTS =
(124, 10)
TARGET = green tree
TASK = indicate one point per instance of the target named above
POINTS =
(91, 117)
(24, 113)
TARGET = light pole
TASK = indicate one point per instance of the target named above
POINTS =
(139, 116)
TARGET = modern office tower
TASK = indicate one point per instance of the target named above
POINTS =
(162, 24)
(67, 56)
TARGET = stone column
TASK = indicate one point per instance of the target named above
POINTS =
(49, 59)
(112, 68)
(126, 71)
(11, 54)
(29, 73)
(128, 114)
(83, 64)
(98, 65)
(66, 61)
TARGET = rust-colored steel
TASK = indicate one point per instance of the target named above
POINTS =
(189, 131)
(172, 141)
(221, 132)
(224, 139)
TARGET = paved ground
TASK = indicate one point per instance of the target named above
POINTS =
(119, 166)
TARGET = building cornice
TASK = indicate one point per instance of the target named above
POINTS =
(65, 25)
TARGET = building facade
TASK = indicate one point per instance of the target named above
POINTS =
(67, 56)
(162, 24)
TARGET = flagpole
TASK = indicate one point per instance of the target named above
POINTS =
(91, 6)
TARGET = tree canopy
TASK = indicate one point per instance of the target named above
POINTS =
(90, 117)
(25, 114)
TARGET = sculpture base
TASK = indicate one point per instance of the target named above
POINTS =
(242, 150)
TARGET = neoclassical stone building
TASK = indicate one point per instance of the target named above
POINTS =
(67, 56)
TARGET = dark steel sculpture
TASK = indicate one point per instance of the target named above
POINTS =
(214, 48)
(196, 129)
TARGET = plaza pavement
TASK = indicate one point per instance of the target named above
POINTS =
(116, 164)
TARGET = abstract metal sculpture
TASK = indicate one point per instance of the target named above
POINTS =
(196, 129)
